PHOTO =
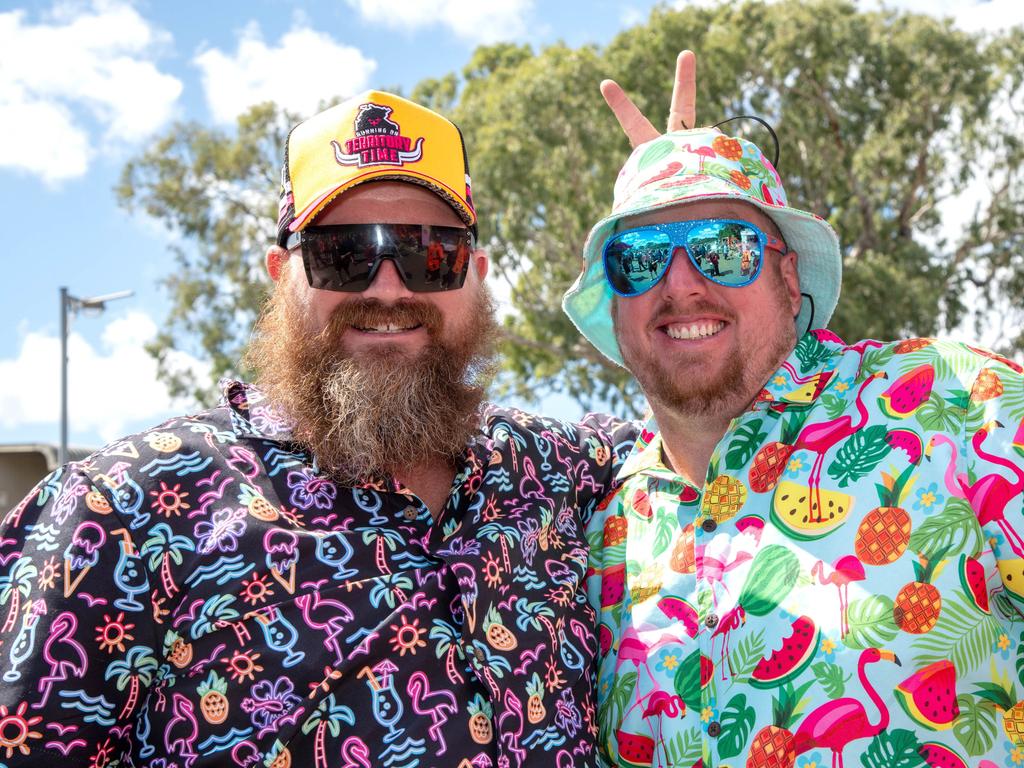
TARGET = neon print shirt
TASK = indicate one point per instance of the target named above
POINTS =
(844, 590)
(199, 595)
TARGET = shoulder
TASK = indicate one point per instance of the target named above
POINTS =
(945, 359)
(593, 430)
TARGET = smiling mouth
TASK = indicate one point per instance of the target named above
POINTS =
(387, 328)
(699, 330)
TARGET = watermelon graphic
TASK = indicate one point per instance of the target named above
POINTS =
(613, 585)
(908, 393)
(940, 756)
(791, 659)
(907, 441)
(641, 505)
(635, 749)
(929, 695)
(972, 578)
(678, 609)
(604, 638)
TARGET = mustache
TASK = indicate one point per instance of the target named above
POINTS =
(668, 309)
(365, 313)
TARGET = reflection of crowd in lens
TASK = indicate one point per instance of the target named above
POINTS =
(733, 251)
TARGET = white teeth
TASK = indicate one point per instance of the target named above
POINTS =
(695, 330)
(389, 328)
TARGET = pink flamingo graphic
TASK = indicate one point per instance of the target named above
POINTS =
(355, 753)
(991, 493)
(702, 152)
(66, 657)
(182, 730)
(819, 438)
(326, 615)
(713, 568)
(836, 723)
(844, 570)
(731, 620)
(439, 706)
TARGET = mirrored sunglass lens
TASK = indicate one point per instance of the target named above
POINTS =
(636, 260)
(338, 261)
(727, 251)
(435, 258)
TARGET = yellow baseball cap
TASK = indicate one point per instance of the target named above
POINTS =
(372, 136)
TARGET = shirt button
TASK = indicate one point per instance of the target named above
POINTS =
(410, 513)
(711, 621)
(714, 729)
(709, 525)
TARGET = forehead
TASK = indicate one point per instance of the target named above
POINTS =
(704, 209)
(389, 202)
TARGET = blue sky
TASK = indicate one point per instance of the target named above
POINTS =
(85, 85)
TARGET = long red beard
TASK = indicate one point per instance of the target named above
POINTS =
(373, 414)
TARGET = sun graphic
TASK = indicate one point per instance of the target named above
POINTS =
(408, 637)
(114, 633)
(49, 573)
(257, 589)
(16, 729)
(169, 501)
(492, 570)
(243, 666)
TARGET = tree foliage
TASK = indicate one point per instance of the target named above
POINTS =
(881, 117)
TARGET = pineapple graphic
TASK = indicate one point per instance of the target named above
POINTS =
(480, 713)
(257, 505)
(774, 745)
(884, 533)
(723, 498)
(535, 711)
(768, 465)
(987, 386)
(213, 700)
(1002, 696)
(918, 604)
(499, 637)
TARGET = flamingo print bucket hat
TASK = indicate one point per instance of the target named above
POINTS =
(703, 164)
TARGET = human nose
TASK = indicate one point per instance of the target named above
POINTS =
(387, 284)
(683, 278)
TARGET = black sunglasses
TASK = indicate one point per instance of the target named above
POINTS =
(346, 257)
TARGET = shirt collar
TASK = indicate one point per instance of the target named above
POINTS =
(252, 414)
(800, 380)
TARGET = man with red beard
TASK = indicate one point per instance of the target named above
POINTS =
(354, 562)
(817, 548)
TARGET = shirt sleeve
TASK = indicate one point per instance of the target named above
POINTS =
(77, 639)
(994, 479)
(606, 441)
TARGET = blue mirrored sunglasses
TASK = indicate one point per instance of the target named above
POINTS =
(728, 252)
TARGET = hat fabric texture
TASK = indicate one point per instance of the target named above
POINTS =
(371, 137)
(693, 166)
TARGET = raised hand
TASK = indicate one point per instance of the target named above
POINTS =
(682, 111)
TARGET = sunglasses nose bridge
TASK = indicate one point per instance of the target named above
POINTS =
(683, 276)
(387, 282)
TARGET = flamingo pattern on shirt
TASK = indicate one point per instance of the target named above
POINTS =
(845, 588)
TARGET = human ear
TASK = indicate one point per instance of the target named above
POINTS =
(275, 259)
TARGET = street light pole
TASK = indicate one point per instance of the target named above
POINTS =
(69, 305)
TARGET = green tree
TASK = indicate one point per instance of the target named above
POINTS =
(881, 116)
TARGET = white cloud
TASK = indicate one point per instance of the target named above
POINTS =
(81, 78)
(109, 388)
(968, 15)
(469, 19)
(305, 68)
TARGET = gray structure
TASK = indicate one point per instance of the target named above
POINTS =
(22, 466)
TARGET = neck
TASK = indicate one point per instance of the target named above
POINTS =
(431, 481)
(689, 440)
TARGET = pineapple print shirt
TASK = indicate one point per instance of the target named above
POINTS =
(844, 589)
(201, 595)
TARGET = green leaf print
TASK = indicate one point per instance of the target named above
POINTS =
(876, 359)
(976, 726)
(737, 719)
(830, 677)
(963, 635)
(893, 749)
(685, 748)
(748, 652)
(811, 353)
(744, 445)
(833, 404)
(655, 152)
(871, 623)
(1020, 658)
(954, 529)
(663, 535)
(861, 453)
(937, 415)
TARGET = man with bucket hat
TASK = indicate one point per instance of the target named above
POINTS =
(354, 564)
(816, 554)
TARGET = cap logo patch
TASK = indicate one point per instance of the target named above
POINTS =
(378, 140)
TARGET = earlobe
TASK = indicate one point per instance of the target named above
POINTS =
(482, 262)
(275, 259)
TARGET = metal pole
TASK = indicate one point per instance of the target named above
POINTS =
(62, 456)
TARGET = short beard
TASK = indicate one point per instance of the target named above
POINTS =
(689, 393)
(370, 415)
